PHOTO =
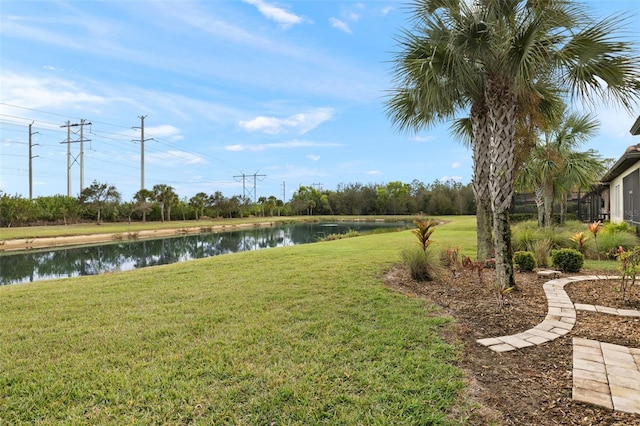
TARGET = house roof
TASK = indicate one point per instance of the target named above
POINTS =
(635, 129)
(629, 158)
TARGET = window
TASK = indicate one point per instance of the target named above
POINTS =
(631, 194)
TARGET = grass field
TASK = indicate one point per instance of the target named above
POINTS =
(295, 335)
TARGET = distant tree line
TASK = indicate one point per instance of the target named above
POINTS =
(103, 202)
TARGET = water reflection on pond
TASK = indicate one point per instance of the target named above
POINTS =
(30, 266)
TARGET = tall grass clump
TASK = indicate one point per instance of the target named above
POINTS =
(423, 265)
(524, 235)
(558, 237)
(541, 250)
(614, 236)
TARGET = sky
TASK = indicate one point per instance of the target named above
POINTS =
(245, 97)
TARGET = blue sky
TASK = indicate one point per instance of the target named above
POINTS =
(290, 91)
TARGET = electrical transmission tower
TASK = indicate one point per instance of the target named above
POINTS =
(31, 157)
(247, 193)
(142, 141)
(80, 156)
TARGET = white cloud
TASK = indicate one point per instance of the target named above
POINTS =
(284, 18)
(375, 173)
(423, 139)
(313, 157)
(174, 158)
(455, 165)
(301, 123)
(163, 131)
(31, 92)
(386, 10)
(453, 178)
(279, 145)
(340, 25)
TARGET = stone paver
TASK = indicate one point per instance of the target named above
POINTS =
(607, 376)
(603, 374)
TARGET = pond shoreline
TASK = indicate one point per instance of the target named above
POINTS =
(19, 244)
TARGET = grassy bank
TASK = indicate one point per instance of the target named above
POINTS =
(294, 335)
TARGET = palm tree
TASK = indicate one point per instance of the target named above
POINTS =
(165, 196)
(555, 167)
(436, 80)
(198, 203)
(503, 47)
(170, 198)
(143, 200)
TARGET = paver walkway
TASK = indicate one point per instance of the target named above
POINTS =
(603, 374)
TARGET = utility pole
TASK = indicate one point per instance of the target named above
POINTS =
(142, 141)
(31, 157)
(81, 155)
(255, 192)
(68, 126)
(244, 191)
(318, 186)
(82, 124)
(243, 183)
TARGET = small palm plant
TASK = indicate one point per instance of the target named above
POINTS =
(423, 232)
(594, 228)
(423, 264)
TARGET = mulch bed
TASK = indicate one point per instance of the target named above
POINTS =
(531, 386)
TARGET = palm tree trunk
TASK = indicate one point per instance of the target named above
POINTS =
(539, 194)
(563, 208)
(501, 102)
(548, 204)
(481, 164)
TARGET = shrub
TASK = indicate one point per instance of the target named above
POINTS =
(524, 260)
(618, 227)
(424, 265)
(558, 237)
(567, 260)
(524, 236)
(450, 257)
(610, 239)
(630, 268)
(541, 249)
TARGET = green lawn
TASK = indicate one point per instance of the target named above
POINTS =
(295, 335)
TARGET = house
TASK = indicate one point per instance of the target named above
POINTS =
(619, 192)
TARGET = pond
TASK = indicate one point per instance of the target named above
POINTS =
(39, 265)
